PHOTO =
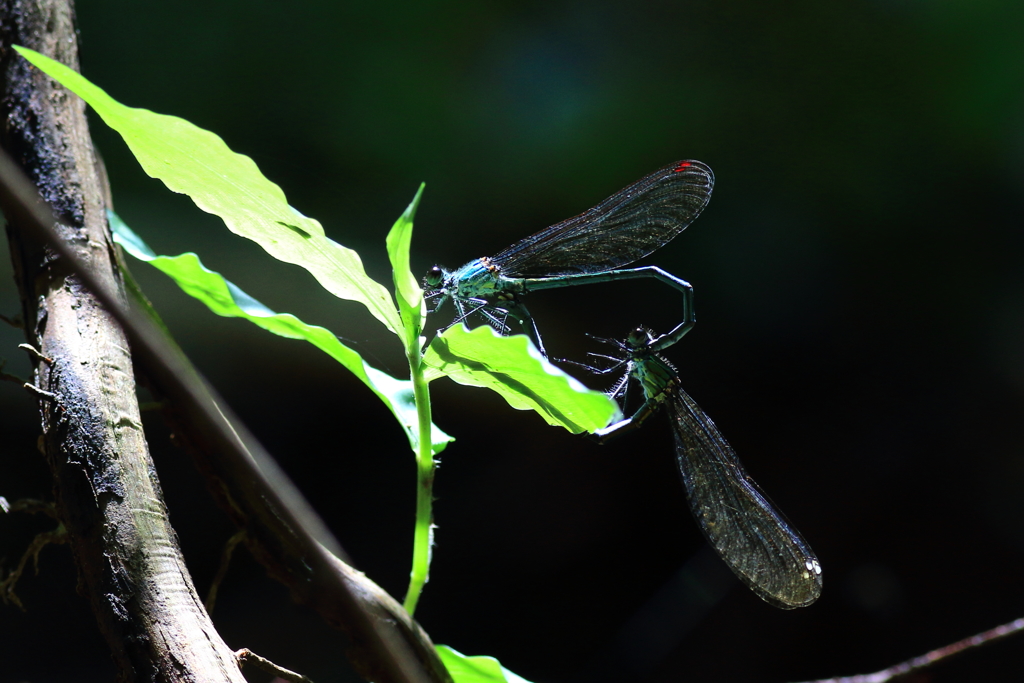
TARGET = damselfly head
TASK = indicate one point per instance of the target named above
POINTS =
(638, 338)
(434, 277)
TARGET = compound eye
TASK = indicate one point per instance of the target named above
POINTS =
(434, 276)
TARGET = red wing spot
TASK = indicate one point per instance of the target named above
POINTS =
(682, 166)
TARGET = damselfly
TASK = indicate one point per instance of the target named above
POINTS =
(585, 249)
(739, 521)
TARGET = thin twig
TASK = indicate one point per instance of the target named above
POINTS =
(33, 506)
(247, 656)
(6, 377)
(57, 536)
(931, 657)
(34, 352)
(222, 570)
(41, 393)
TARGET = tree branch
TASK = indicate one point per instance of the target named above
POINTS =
(108, 496)
(929, 658)
(373, 632)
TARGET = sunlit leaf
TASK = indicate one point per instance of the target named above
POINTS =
(226, 299)
(514, 368)
(465, 669)
(198, 163)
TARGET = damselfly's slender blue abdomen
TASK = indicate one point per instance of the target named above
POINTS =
(585, 249)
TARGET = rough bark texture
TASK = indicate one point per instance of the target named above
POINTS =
(107, 492)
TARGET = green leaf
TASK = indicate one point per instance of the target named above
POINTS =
(514, 368)
(195, 162)
(225, 299)
(410, 296)
(475, 669)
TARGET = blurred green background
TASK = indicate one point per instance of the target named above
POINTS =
(859, 279)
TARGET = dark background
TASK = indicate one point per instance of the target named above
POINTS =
(859, 278)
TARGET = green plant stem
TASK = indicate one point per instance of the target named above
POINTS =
(423, 536)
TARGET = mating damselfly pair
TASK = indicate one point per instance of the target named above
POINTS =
(739, 521)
